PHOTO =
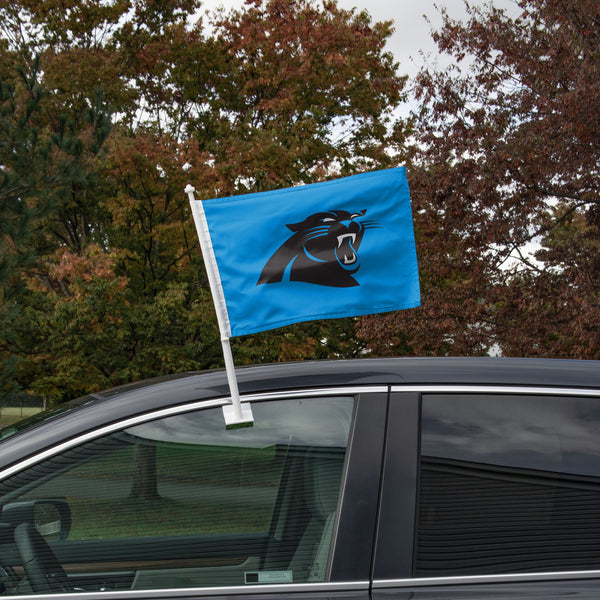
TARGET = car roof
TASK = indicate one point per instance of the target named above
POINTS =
(113, 405)
(385, 371)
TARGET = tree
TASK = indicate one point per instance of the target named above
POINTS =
(277, 93)
(559, 302)
(47, 166)
(292, 91)
(508, 161)
(23, 162)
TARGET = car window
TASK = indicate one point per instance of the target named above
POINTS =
(508, 484)
(183, 501)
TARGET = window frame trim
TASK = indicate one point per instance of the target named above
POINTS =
(382, 584)
(524, 390)
(324, 586)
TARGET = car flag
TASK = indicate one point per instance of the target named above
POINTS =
(339, 248)
(333, 249)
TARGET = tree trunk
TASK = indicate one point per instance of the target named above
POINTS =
(145, 484)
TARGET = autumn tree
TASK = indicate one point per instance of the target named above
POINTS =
(505, 187)
(295, 91)
(273, 94)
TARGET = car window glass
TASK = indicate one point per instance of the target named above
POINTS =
(184, 502)
(508, 484)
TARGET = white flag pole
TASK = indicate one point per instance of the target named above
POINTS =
(237, 414)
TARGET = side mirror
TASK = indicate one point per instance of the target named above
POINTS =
(52, 518)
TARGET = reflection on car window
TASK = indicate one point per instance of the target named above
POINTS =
(508, 484)
(185, 502)
(535, 432)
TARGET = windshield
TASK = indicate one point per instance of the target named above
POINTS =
(42, 417)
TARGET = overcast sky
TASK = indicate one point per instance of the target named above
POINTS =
(412, 31)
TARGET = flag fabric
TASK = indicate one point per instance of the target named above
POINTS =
(338, 248)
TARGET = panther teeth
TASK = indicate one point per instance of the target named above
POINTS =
(341, 238)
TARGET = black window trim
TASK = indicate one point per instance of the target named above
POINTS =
(353, 546)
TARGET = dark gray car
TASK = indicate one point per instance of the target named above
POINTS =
(385, 479)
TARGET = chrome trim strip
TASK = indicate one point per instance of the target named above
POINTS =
(180, 409)
(482, 579)
(522, 390)
(316, 392)
(289, 588)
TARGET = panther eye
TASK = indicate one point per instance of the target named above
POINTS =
(327, 220)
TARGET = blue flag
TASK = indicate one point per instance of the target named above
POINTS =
(333, 249)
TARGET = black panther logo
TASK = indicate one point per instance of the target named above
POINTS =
(323, 250)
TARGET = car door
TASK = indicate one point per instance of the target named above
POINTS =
(177, 501)
(495, 494)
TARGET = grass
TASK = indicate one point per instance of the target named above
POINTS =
(195, 464)
(109, 519)
(13, 414)
(176, 465)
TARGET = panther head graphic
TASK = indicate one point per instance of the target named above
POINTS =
(322, 250)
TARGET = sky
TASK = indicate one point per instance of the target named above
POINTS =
(412, 34)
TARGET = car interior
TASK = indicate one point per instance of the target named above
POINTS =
(38, 555)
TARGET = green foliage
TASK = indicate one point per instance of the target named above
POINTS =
(46, 169)
(23, 157)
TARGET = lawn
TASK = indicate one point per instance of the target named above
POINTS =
(12, 414)
(109, 519)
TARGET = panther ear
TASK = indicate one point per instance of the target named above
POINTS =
(308, 222)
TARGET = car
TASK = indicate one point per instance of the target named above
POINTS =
(382, 479)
